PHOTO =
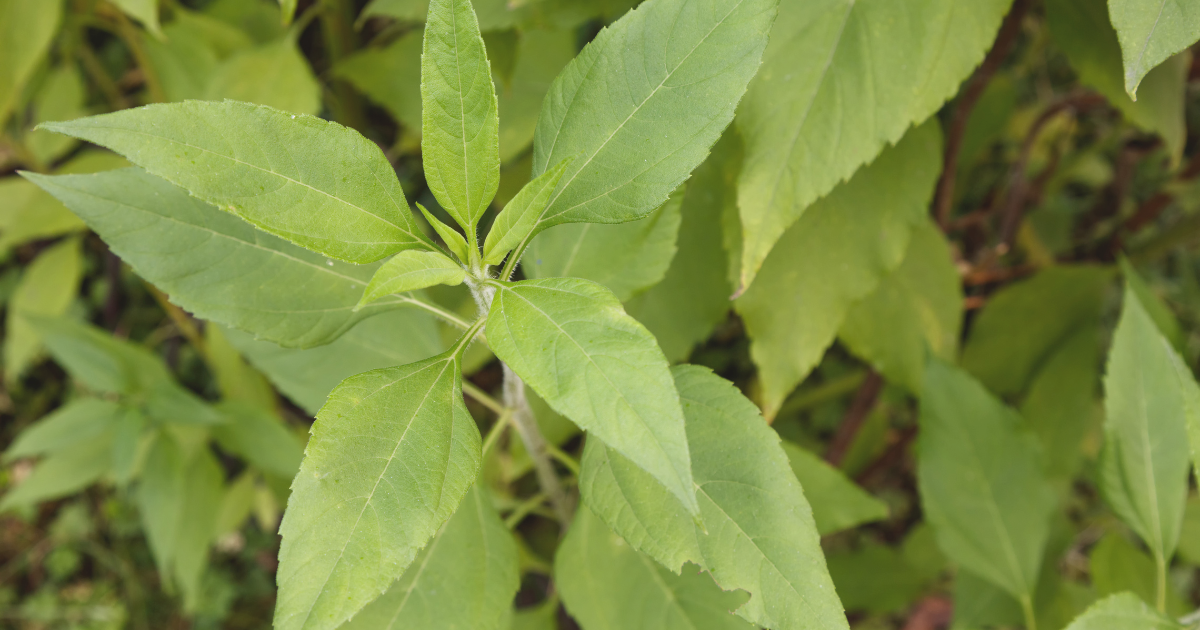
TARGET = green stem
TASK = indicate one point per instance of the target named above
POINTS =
(449, 317)
(1027, 609)
(132, 38)
(483, 398)
(496, 431)
(566, 460)
(523, 510)
(535, 445)
(1161, 591)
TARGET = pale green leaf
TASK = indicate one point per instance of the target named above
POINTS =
(608, 585)
(259, 437)
(492, 14)
(465, 578)
(639, 134)
(1082, 30)
(833, 257)
(183, 63)
(275, 74)
(682, 310)
(882, 579)
(1191, 405)
(236, 380)
(287, 9)
(233, 273)
(760, 538)
(981, 484)
(1116, 565)
(127, 441)
(1189, 539)
(571, 341)
(78, 421)
(833, 91)
(390, 76)
(411, 270)
(28, 213)
(915, 311)
(61, 97)
(203, 489)
(626, 258)
(313, 182)
(837, 503)
(1158, 311)
(544, 616)
(391, 456)
(520, 214)
(26, 32)
(540, 56)
(47, 288)
(235, 505)
(460, 145)
(144, 11)
(1150, 32)
(452, 238)
(1122, 612)
(1144, 463)
(307, 376)
(1060, 407)
(63, 473)
(1023, 323)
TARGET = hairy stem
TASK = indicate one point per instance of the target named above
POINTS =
(535, 445)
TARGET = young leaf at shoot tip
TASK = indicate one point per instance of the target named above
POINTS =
(411, 270)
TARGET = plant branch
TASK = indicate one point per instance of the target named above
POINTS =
(535, 445)
(1027, 611)
(811, 397)
(856, 415)
(496, 431)
(483, 398)
(445, 315)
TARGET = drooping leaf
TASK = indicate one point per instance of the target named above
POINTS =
(1082, 30)
(233, 273)
(571, 341)
(693, 297)
(1060, 407)
(1151, 32)
(638, 135)
(390, 76)
(313, 182)
(460, 143)
(1122, 612)
(46, 289)
(760, 536)
(608, 585)
(520, 214)
(411, 270)
(837, 503)
(833, 92)
(144, 11)
(307, 376)
(26, 31)
(981, 484)
(465, 578)
(1023, 323)
(77, 421)
(275, 74)
(833, 257)
(626, 258)
(63, 473)
(391, 456)
(915, 311)
(540, 56)
(1144, 464)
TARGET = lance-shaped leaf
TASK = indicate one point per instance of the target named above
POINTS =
(47, 288)
(232, 273)
(460, 141)
(465, 578)
(1122, 611)
(313, 182)
(1150, 32)
(607, 585)
(837, 502)
(410, 271)
(144, 11)
(520, 215)
(64, 472)
(77, 421)
(1191, 401)
(761, 536)
(392, 454)
(1144, 464)
(981, 484)
(644, 102)
(571, 341)
(454, 241)
(26, 32)
(832, 93)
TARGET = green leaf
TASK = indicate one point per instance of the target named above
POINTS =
(1082, 30)
(640, 134)
(1116, 565)
(460, 144)
(390, 76)
(313, 182)
(144, 11)
(1023, 323)
(1158, 311)
(195, 46)
(62, 97)
(837, 503)
(832, 93)
(607, 585)
(392, 454)
(916, 310)
(465, 578)
(540, 56)
(203, 489)
(981, 484)
(760, 536)
(288, 10)
(259, 437)
(63, 473)
(77, 421)
(26, 31)
(47, 288)
(1061, 405)
(1144, 463)
(276, 75)
(454, 241)
(127, 441)
(836, 255)
(1122, 612)
(493, 14)
(28, 213)
(520, 215)
(626, 258)
(307, 376)
(410, 271)
(236, 380)
(571, 341)
(683, 309)
(236, 504)
(1149, 34)
(881, 579)
(233, 273)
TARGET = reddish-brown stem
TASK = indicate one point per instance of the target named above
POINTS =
(856, 415)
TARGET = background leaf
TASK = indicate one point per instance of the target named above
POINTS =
(46, 290)
(837, 503)
(26, 30)
(1119, 612)
(1149, 36)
